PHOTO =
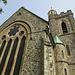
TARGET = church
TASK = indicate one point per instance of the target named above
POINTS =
(30, 45)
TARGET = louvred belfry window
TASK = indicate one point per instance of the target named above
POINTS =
(12, 46)
(64, 28)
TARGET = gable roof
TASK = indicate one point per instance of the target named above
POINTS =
(24, 17)
(29, 12)
(57, 40)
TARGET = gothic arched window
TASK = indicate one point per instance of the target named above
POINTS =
(62, 53)
(13, 40)
(68, 50)
(65, 71)
(64, 28)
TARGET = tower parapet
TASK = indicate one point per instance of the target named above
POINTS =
(53, 14)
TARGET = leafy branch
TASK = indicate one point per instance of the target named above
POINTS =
(5, 2)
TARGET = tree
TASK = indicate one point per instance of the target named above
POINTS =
(5, 2)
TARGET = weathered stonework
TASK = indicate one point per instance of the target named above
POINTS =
(41, 55)
(67, 62)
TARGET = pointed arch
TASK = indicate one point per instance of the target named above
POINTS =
(64, 28)
(14, 43)
(65, 70)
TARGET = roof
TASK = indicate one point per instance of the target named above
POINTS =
(57, 40)
(29, 12)
(15, 18)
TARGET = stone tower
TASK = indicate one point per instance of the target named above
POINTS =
(62, 27)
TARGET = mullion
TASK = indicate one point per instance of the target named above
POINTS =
(5, 55)
(19, 57)
(10, 62)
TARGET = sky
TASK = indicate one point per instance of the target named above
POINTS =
(38, 7)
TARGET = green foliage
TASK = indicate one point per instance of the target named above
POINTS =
(5, 2)
(1, 10)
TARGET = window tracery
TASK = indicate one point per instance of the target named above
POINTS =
(12, 48)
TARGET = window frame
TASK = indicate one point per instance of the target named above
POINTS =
(67, 25)
(27, 30)
(65, 71)
(62, 54)
(69, 51)
(64, 27)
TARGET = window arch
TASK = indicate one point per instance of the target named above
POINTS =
(64, 28)
(68, 50)
(65, 70)
(62, 53)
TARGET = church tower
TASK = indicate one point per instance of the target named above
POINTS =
(62, 28)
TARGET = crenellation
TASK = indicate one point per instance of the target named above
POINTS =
(61, 15)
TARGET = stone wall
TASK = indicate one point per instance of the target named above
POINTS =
(33, 58)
